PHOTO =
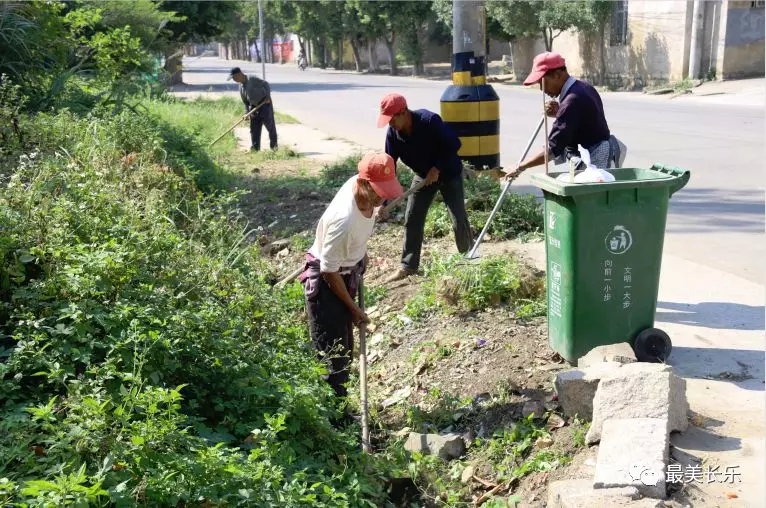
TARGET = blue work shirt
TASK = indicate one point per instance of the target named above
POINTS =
(580, 120)
(432, 143)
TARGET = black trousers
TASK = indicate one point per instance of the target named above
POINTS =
(417, 209)
(264, 117)
(332, 333)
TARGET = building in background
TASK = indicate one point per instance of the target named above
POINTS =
(650, 41)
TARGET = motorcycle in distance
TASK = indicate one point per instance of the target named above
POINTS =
(302, 64)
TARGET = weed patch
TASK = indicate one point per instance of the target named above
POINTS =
(519, 215)
(454, 285)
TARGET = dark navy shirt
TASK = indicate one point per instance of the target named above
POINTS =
(580, 120)
(431, 144)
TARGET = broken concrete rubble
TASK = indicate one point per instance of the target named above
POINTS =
(633, 453)
(640, 390)
(447, 446)
(620, 353)
(533, 407)
(576, 388)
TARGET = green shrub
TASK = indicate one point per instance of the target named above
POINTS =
(143, 358)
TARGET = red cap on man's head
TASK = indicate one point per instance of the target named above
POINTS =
(543, 63)
(390, 105)
(379, 169)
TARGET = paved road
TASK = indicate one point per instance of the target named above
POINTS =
(716, 221)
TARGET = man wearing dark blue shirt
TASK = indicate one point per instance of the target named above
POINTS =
(580, 119)
(429, 147)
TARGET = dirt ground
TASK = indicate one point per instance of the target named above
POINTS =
(473, 373)
(487, 360)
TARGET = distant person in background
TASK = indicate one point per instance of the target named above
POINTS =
(253, 91)
(579, 120)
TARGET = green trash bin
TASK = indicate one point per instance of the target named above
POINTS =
(603, 245)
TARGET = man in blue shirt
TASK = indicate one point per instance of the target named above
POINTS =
(579, 120)
(429, 147)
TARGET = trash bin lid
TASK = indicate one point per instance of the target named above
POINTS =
(625, 178)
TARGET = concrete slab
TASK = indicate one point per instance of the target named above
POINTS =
(576, 388)
(580, 493)
(640, 390)
(633, 453)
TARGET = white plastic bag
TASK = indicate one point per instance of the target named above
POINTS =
(592, 174)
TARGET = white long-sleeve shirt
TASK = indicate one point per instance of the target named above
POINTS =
(342, 232)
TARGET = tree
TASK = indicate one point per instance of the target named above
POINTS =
(196, 21)
(375, 18)
(117, 38)
(546, 18)
(600, 12)
(389, 20)
(557, 17)
(309, 21)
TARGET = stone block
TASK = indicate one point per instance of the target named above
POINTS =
(534, 407)
(640, 390)
(577, 387)
(633, 453)
(447, 446)
(581, 494)
(621, 353)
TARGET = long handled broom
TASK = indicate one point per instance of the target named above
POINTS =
(506, 188)
(363, 373)
(243, 118)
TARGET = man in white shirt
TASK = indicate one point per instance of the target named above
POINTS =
(336, 262)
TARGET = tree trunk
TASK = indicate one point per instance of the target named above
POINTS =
(548, 38)
(173, 66)
(373, 55)
(418, 60)
(602, 51)
(340, 54)
(322, 53)
(522, 57)
(355, 49)
(302, 45)
(391, 55)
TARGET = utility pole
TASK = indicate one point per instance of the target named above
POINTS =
(469, 105)
(263, 45)
(695, 47)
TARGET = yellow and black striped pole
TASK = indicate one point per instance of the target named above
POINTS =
(469, 105)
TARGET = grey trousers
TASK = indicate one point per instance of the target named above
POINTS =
(417, 209)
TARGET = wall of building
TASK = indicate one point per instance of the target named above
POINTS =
(656, 49)
(743, 51)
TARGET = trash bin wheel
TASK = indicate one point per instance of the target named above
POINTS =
(652, 345)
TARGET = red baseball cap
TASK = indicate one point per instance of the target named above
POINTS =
(390, 105)
(543, 63)
(378, 168)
